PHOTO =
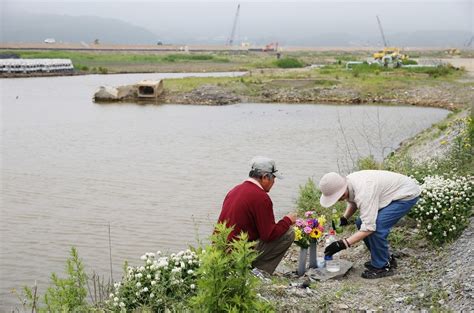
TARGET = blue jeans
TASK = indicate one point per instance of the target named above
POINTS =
(387, 217)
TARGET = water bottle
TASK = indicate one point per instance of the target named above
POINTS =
(332, 262)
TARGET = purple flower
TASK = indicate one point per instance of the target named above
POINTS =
(307, 229)
(299, 222)
(308, 213)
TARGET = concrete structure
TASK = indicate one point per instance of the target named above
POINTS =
(144, 90)
(150, 89)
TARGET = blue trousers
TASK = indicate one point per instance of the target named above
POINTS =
(387, 217)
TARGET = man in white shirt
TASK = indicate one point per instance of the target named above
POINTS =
(382, 198)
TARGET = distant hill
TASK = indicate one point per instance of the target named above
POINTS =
(19, 27)
(37, 27)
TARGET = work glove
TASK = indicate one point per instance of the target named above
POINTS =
(343, 221)
(334, 248)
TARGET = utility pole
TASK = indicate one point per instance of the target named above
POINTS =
(230, 42)
(381, 31)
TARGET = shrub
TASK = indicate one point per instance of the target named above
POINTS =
(289, 63)
(444, 208)
(103, 70)
(368, 163)
(409, 62)
(308, 200)
(66, 294)
(225, 282)
(161, 284)
(434, 72)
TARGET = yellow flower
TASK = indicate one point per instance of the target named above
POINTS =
(315, 233)
(298, 234)
(322, 220)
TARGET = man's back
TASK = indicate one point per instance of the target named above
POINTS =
(248, 208)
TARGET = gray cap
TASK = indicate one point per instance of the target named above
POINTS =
(266, 165)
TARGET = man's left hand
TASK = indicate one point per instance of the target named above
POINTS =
(334, 248)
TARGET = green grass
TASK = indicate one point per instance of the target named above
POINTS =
(100, 59)
(189, 83)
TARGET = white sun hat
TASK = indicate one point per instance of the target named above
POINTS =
(332, 186)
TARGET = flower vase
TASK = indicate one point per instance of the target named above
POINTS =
(312, 254)
(302, 261)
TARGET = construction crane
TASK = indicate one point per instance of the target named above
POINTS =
(385, 44)
(469, 42)
(230, 42)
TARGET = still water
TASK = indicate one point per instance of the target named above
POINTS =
(156, 173)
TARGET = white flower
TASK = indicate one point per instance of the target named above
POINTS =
(111, 295)
(148, 276)
(153, 283)
(192, 286)
(152, 295)
(122, 304)
(190, 272)
(139, 285)
(145, 289)
(116, 299)
(143, 257)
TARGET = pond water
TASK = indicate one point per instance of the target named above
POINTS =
(157, 174)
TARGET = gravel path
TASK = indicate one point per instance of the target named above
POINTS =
(459, 274)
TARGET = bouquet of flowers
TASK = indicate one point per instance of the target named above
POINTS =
(309, 229)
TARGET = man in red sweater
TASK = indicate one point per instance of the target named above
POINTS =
(249, 209)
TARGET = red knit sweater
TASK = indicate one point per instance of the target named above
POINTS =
(248, 208)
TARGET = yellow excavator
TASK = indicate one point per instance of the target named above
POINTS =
(391, 54)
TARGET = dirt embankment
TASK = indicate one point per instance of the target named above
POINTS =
(447, 95)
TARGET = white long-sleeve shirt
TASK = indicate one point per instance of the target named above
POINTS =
(372, 190)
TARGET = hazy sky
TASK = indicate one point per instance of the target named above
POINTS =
(266, 19)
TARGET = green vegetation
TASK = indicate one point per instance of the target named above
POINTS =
(225, 282)
(65, 294)
(308, 200)
(289, 63)
(216, 278)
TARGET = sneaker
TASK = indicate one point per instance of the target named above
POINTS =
(392, 261)
(260, 274)
(375, 273)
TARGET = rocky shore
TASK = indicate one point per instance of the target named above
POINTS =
(449, 96)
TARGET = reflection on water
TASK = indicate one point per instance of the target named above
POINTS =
(157, 174)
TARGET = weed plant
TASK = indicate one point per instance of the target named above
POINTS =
(65, 294)
(225, 282)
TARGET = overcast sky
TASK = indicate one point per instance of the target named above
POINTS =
(269, 19)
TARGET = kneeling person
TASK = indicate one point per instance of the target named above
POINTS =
(248, 208)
